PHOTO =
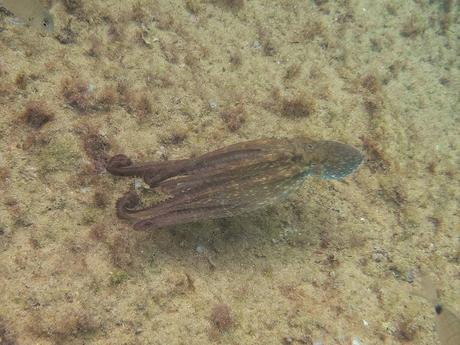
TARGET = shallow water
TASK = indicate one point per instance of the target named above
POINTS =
(337, 263)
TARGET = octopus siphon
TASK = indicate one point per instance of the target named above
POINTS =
(232, 180)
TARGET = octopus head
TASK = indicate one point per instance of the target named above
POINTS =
(331, 159)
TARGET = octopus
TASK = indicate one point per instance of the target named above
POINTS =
(229, 181)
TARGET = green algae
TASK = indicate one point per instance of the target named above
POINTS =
(118, 277)
(61, 154)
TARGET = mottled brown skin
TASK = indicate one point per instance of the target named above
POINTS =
(232, 180)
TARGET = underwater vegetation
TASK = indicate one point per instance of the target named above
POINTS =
(37, 114)
(6, 338)
(232, 180)
(221, 320)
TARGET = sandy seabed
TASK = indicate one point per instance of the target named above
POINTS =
(337, 263)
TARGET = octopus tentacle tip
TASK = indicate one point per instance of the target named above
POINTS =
(118, 161)
(128, 201)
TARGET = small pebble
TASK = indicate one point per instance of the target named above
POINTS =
(379, 255)
(257, 44)
(212, 105)
(200, 249)
(355, 341)
(138, 183)
(287, 340)
(410, 276)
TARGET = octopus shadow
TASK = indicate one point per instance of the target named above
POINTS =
(224, 244)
